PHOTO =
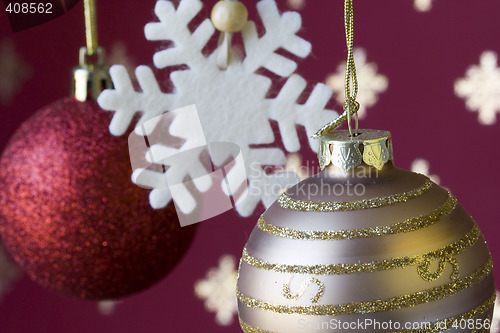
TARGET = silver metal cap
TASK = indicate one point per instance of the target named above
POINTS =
(90, 78)
(338, 148)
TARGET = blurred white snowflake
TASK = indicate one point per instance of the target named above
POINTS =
(422, 166)
(422, 5)
(296, 4)
(218, 289)
(495, 323)
(294, 165)
(481, 88)
(370, 83)
(107, 307)
(13, 71)
(9, 272)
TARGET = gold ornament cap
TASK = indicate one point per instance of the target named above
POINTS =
(90, 78)
(338, 148)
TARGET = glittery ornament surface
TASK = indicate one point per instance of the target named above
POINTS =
(70, 215)
(288, 202)
(408, 225)
(435, 327)
(380, 305)
(401, 249)
(448, 251)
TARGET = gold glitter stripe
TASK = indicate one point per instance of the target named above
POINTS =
(447, 251)
(410, 224)
(285, 201)
(446, 324)
(439, 326)
(388, 304)
(250, 329)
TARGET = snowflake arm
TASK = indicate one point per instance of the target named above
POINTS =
(178, 170)
(173, 26)
(126, 101)
(261, 186)
(285, 110)
(161, 195)
(318, 99)
(261, 51)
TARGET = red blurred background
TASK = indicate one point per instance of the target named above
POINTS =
(421, 51)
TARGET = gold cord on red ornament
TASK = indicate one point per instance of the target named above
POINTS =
(91, 76)
(90, 26)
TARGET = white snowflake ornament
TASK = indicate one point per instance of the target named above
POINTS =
(481, 88)
(218, 290)
(371, 83)
(231, 103)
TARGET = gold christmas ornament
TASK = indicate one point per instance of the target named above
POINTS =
(364, 246)
(373, 244)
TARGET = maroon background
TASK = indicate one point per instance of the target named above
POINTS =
(20, 21)
(422, 54)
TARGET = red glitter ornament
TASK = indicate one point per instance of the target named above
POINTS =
(69, 213)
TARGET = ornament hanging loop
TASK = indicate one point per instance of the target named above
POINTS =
(349, 109)
(91, 76)
(228, 16)
(350, 75)
(351, 106)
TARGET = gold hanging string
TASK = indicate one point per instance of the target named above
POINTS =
(90, 25)
(351, 106)
(91, 77)
(350, 76)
